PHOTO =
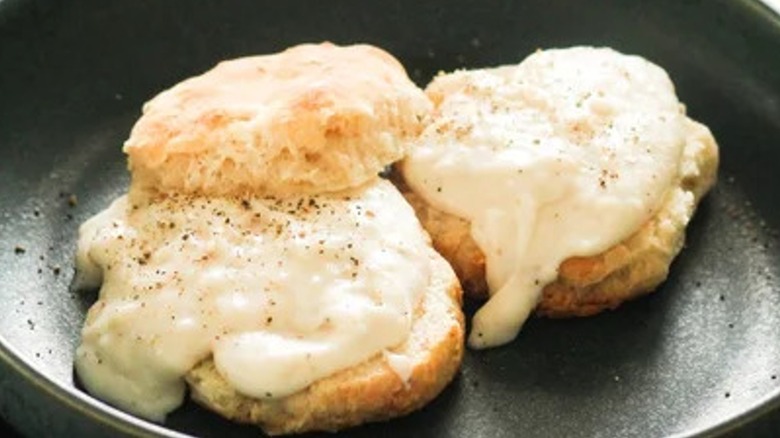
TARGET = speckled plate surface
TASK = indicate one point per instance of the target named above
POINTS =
(700, 356)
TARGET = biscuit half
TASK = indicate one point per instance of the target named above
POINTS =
(371, 391)
(314, 118)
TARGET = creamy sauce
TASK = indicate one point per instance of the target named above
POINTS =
(281, 292)
(564, 155)
(402, 365)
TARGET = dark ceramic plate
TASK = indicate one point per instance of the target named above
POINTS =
(700, 356)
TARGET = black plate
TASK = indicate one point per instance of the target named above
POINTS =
(701, 355)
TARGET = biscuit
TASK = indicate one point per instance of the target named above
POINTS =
(568, 178)
(371, 391)
(282, 129)
(311, 119)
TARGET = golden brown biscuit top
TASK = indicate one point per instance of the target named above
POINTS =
(313, 118)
